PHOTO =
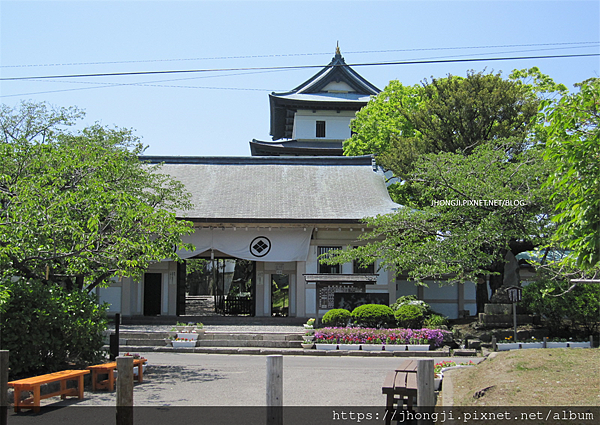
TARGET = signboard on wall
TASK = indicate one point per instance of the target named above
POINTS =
(326, 293)
(350, 301)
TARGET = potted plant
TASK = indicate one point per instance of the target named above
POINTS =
(310, 323)
(308, 337)
(180, 327)
(199, 328)
(392, 343)
(418, 344)
(557, 343)
(533, 343)
(183, 343)
(349, 342)
(187, 335)
(579, 344)
(307, 345)
(323, 342)
(507, 344)
(372, 343)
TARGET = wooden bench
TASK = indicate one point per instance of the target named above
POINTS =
(108, 369)
(400, 388)
(33, 384)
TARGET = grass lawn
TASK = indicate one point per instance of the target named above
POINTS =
(532, 377)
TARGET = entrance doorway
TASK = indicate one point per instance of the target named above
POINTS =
(152, 293)
(222, 286)
(280, 295)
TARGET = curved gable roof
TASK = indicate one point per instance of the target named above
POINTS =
(315, 93)
(280, 189)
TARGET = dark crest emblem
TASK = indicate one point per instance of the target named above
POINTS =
(260, 246)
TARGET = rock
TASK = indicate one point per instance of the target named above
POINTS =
(474, 344)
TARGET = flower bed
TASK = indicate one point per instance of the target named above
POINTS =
(387, 337)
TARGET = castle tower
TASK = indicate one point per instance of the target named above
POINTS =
(314, 118)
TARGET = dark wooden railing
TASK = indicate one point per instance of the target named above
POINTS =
(234, 305)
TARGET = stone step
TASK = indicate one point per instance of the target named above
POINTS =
(213, 339)
(248, 343)
(242, 336)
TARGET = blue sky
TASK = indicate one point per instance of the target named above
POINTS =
(217, 113)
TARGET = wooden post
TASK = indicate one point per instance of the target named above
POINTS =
(425, 391)
(515, 318)
(275, 390)
(125, 390)
(545, 342)
(3, 387)
(591, 341)
(425, 387)
(494, 344)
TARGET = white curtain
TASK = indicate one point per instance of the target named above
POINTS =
(258, 244)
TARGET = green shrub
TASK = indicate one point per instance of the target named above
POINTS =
(373, 316)
(409, 316)
(566, 315)
(337, 318)
(435, 321)
(412, 300)
(44, 327)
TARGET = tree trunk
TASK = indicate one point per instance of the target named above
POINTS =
(481, 294)
(79, 281)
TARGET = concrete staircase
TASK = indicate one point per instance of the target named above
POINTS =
(132, 341)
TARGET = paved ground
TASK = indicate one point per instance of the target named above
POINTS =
(207, 388)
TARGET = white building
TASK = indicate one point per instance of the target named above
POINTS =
(296, 198)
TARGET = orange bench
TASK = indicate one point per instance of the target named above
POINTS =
(108, 369)
(33, 384)
(400, 387)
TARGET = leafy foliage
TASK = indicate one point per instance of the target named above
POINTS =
(373, 316)
(44, 327)
(412, 300)
(568, 314)
(434, 337)
(574, 149)
(435, 321)
(409, 316)
(441, 232)
(337, 317)
(452, 114)
(468, 157)
(80, 208)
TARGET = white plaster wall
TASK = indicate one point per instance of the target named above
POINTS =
(447, 309)
(337, 125)
(405, 287)
(471, 297)
(111, 295)
(311, 299)
(435, 291)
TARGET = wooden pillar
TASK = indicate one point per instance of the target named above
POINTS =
(425, 385)
(275, 390)
(3, 387)
(125, 390)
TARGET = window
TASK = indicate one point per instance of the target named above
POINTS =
(320, 128)
(326, 268)
(368, 269)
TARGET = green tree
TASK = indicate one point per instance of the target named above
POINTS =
(459, 140)
(452, 114)
(464, 215)
(574, 149)
(45, 327)
(79, 208)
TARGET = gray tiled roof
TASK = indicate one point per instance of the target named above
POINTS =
(280, 188)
